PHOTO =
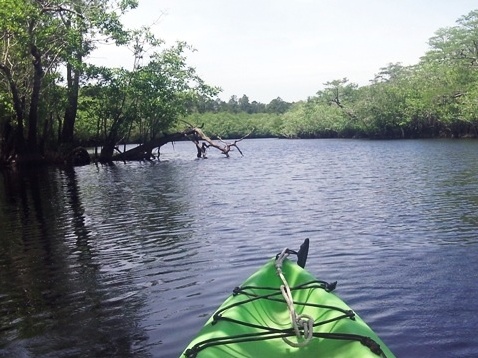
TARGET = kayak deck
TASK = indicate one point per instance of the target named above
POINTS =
(255, 320)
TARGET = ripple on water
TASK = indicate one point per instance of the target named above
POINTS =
(130, 260)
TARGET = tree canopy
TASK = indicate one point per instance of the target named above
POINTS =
(49, 93)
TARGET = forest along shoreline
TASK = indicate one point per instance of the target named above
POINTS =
(52, 106)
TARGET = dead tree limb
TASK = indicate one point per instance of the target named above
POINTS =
(225, 148)
(194, 134)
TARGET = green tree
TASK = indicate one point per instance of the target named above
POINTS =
(453, 55)
(31, 37)
(37, 38)
(244, 104)
(233, 104)
(90, 22)
(340, 93)
(148, 99)
(278, 106)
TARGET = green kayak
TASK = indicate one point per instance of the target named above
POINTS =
(283, 311)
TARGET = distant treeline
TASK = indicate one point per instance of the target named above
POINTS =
(438, 97)
(241, 105)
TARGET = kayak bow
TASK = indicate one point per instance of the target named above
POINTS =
(283, 311)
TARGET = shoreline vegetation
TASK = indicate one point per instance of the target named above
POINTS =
(53, 102)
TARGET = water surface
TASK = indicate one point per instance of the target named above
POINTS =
(131, 259)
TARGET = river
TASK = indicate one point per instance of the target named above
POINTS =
(129, 260)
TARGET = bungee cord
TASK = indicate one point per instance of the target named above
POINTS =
(302, 325)
(299, 322)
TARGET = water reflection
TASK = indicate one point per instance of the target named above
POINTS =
(55, 282)
(80, 231)
(28, 255)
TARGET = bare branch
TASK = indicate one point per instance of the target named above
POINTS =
(197, 133)
(60, 9)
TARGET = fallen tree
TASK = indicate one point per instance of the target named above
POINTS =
(194, 134)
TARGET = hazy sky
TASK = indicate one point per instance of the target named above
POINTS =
(290, 48)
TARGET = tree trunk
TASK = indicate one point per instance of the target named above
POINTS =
(73, 81)
(17, 103)
(144, 151)
(35, 99)
(18, 107)
(107, 151)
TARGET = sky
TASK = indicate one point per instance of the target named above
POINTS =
(289, 48)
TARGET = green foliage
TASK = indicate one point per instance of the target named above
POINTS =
(236, 125)
(237, 105)
(38, 39)
(143, 103)
(278, 105)
(436, 97)
(314, 119)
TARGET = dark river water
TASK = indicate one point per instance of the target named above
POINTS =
(130, 260)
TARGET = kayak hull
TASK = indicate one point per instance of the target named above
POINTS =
(253, 321)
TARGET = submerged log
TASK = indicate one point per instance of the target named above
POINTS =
(145, 150)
